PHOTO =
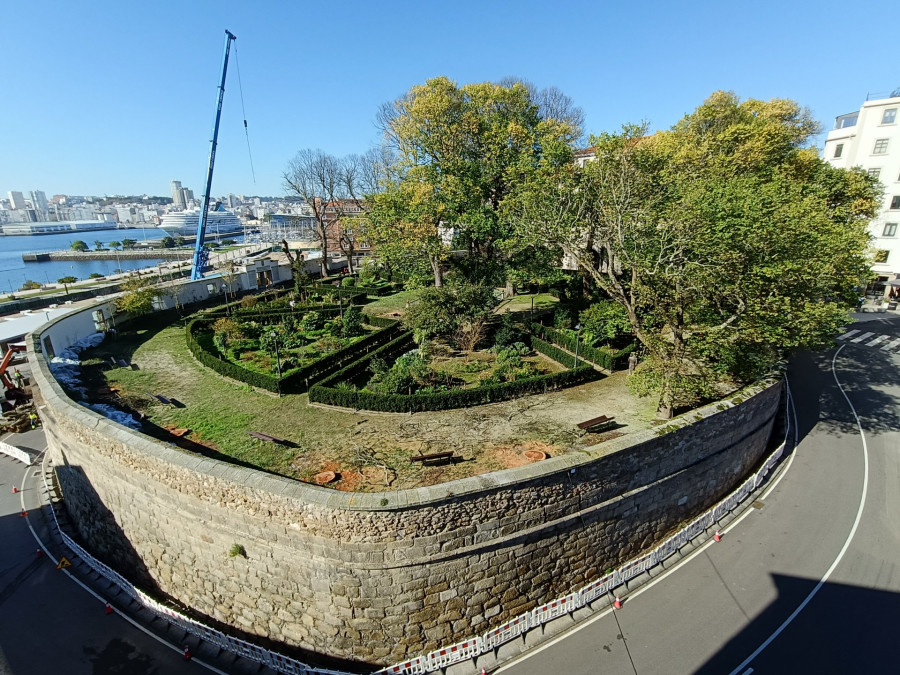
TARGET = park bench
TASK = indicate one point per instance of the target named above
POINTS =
(267, 437)
(435, 456)
(603, 420)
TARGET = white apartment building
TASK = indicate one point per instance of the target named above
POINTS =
(870, 138)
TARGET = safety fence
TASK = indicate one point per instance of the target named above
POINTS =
(606, 584)
(15, 453)
(279, 662)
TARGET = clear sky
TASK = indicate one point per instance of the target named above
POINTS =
(102, 97)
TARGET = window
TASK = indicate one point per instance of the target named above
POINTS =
(880, 146)
(890, 230)
(881, 256)
(895, 202)
(889, 116)
(838, 150)
(875, 173)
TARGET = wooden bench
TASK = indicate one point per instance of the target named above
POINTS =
(436, 456)
(603, 420)
(267, 437)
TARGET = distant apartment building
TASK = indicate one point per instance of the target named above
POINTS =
(39, 201)
(870, 138)
(16, 200)
(177, 195)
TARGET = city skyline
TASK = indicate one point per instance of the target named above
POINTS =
(127, 115)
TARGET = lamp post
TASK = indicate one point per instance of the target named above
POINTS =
(577, 335)
(227, 306)
(277, 360)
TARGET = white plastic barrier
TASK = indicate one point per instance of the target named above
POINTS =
(15, 453)
(506, 632)
(461, 651)
(414, 666)
(551, 610)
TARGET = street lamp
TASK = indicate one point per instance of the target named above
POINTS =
(227, 306)
(577, 335)
(277, 360)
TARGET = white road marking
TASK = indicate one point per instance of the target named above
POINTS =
(890, 345)
(862, 337)
(848, 334)
(840, 555)
(878, 340)
(747, 672)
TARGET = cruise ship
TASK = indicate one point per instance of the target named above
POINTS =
(184, 224)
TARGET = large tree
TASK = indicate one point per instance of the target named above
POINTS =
(726, 240)
(460, 150)
(334, 188)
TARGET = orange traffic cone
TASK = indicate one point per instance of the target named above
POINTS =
(618, 603)
(109, 609)
(187, 653)
(40, 553)
(15, 489)
(24, 513)
(483, 671)
(717, 536)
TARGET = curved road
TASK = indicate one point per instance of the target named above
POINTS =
(806, 581)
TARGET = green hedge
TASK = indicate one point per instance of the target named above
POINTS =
(200, 342)
(604, 357)
(326, 393)
(379, 321)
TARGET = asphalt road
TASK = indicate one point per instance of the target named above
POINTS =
(809, 582)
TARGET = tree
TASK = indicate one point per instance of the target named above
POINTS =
(167, 242)
(460, 150)
(138, 296)
(441, 311)
(115, 245)
(727, 242)
(98, 245)
(79, 246)
(65, 281)
(30, 285)
(129, 243)
(180, 241)
(334, 189)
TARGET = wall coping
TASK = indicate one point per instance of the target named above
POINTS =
(398, 500)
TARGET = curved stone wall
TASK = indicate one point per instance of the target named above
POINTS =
(380, 577)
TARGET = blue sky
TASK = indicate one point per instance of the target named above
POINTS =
(118, 97)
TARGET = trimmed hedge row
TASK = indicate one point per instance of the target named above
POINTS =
(603, 356)
(201, 346)
(326, 393)
(378, 321)
(297, 381)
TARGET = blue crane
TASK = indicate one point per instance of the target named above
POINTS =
(201, 253)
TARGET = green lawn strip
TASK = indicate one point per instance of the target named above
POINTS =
(391, 303)
(219, 412)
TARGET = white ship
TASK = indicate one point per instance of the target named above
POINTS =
(184, 224)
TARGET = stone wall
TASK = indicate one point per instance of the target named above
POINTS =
(379, 577)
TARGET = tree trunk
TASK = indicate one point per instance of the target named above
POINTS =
(438, 272)
(510, 289)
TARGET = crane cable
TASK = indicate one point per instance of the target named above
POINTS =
(243, 111)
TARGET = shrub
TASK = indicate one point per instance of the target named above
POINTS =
(508, 333)
(604, 321)
(348, 282)
(351, 326)
(562, 318)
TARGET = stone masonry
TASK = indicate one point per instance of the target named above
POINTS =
(380, 577)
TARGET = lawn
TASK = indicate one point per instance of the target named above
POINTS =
(368, 451)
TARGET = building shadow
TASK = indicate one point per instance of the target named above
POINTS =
(843, 629)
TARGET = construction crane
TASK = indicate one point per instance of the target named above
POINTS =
(201, 252)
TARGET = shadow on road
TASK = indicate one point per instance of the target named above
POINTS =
(844, 629)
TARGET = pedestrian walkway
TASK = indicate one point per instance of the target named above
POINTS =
(886, 343)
